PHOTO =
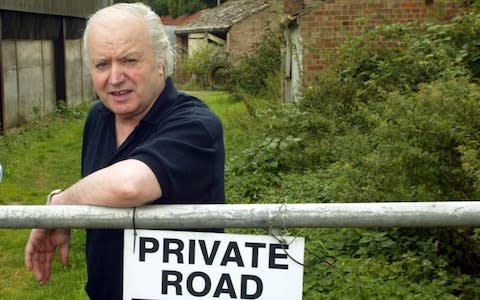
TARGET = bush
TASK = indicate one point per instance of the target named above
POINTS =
(258, 75)
(393, 118)
(199, 64)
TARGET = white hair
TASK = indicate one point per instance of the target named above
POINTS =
(164, 52)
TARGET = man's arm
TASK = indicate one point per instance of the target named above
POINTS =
(128, 183)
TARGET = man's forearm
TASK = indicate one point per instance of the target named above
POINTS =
(128, 183)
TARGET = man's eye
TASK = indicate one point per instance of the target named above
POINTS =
(130, 61)
(100, 65)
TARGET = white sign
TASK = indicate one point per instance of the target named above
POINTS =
(161, 265)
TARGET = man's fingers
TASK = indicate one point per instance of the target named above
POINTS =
(64, 254)
(40, 251)
(39, 255)
(41, 265)
(40, 274)
(29, 254)
(28, 257)
(63, 242)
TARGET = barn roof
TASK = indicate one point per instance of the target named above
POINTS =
(179, 21)
(222, 17)
(80, 9)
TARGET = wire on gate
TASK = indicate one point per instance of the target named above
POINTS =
(283, 242)
(134, 229)
(280, 239)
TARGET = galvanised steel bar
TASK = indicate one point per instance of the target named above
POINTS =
(379, 214)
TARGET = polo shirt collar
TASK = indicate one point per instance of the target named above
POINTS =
(166, 99)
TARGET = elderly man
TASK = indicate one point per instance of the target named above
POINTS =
(144, 143)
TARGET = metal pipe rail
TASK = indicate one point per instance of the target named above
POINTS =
(378, 214)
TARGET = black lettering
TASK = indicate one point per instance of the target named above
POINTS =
(232, 248)
(177, 251)
(175, 282)
(207, 284)
(144, 249)
(225, 278)
(206, 257)
(255, 247)
(272, 264)
(258, 284)
(191, 252)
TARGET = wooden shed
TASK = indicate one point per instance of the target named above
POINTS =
(41, 57)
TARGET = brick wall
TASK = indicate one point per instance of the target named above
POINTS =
(293, 6)
(330, 22)
(246, 34)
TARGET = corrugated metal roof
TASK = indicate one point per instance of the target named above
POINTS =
(82, 8)
(222, 17)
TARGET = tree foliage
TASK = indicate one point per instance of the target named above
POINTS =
(176, 8)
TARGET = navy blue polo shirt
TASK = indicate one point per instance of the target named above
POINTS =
(181, 140)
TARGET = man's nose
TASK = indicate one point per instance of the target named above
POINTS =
(117, 74)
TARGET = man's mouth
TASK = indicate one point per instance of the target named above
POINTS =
(120, 93)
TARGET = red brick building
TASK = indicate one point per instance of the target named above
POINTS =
(322, 24)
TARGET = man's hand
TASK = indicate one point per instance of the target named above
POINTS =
(40, 251)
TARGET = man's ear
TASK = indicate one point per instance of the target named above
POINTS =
(161, 71)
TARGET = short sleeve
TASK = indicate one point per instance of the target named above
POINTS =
(186, 153)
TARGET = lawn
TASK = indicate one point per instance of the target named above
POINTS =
(43, 156)
(340, 263)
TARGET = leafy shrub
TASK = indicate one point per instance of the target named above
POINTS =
(258, 74)
(404, 116)
(199, 64)
(394, 117)
(465, 37)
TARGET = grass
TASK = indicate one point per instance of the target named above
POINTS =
(45, 155)
(42, 156)
(237, 123)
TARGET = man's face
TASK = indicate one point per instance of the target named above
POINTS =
(125, 74)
